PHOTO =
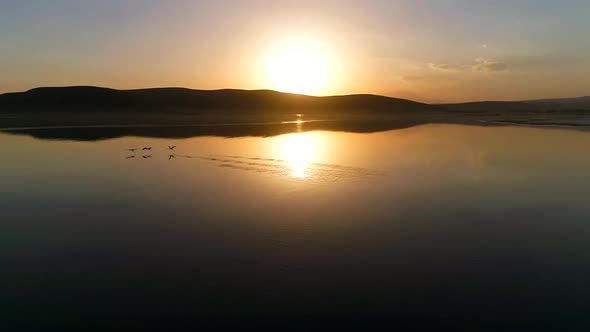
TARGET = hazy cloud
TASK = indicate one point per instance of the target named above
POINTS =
(488, 65)
(480, 65)
(446, 67)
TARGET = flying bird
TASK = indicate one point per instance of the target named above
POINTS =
(132, 150)
(146, 148)
(144, 157)
(171, 156)
(171, 147)
(130, 157)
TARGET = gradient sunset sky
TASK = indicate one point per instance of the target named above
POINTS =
(426, 50)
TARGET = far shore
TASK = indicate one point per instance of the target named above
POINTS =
(98, 126)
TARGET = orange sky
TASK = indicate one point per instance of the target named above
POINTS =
(431, 51)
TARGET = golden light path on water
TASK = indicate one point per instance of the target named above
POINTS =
(307, 157)
(299, 150)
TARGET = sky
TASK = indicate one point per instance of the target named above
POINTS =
(425, 50)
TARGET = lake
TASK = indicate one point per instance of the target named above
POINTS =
(427, 227)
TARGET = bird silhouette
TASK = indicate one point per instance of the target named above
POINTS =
(171, 147)
(147, 148)
(171, 156)
(130, 157)
(148, 156)
(132, 150)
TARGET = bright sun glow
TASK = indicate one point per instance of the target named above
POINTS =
(299, 66)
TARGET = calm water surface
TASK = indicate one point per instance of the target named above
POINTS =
(426, 227)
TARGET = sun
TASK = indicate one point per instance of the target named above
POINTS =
(299, 66)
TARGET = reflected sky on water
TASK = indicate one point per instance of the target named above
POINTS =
(434, 222)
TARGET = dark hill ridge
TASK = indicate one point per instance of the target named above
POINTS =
(188, 100)
(80, 98)
(489, 106)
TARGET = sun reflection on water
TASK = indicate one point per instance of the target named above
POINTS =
(298, 150)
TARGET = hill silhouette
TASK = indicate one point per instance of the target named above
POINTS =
(80, 98)
(187, 100)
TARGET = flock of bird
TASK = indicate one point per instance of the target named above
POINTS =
(312, 173)
(149, 148)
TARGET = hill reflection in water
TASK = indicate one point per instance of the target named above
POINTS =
(92, 133)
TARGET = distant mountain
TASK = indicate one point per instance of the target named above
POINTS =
(81, 98)
(562, 104)
(579, 103)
